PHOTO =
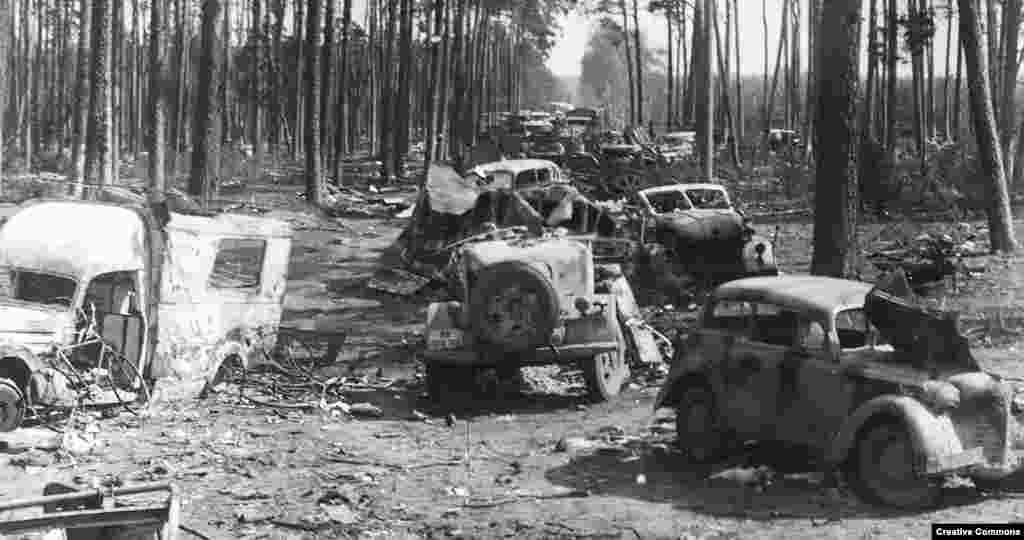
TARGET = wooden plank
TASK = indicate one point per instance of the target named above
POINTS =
(118, 517)
(84, 494)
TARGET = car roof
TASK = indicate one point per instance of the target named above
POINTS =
(514, 166)
(802, 292)
(677, 187)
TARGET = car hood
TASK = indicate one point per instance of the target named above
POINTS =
(34, 326)
(701, 225)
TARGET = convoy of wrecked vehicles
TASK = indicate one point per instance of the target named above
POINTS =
(175, 298)
(821, 363)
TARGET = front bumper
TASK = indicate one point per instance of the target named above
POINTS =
(540, 356)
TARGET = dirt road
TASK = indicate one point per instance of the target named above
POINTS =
(545, 466)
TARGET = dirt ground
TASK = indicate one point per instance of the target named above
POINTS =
(548, 465)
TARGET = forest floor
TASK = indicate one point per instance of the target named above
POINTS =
(499, 470)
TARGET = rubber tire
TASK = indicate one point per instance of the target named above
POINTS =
(605, 374)
(490, 282)
(12, 405)
(704, 442)
(922, 493)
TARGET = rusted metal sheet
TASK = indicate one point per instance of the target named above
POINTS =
(200, 324)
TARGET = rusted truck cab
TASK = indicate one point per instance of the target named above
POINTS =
(528, 302)
(174, 299)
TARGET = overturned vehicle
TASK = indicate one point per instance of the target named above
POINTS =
(527, 288)
(102, 295)
(701, 230)
(875, 385)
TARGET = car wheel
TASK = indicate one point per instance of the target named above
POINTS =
(697, 427)
(12, 405)
(885, 473)
(605, 374)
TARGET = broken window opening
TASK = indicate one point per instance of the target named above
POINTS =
(708, 199)
(239, 263)
(774, 325)
(37, 287)
(854, 331)
(669, 201)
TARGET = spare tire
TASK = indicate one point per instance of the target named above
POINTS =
(513, 305)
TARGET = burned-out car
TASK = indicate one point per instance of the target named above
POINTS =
(531, 301)
(702, 231)
(174, 295)
(517, 174)
(874, 385)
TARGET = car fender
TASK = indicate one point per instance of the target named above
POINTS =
(443, 330)
(933, 436)
(18, 363)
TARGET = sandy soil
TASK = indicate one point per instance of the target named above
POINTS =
(498, 471)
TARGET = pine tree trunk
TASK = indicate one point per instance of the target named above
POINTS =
(947, 124)
(1000, 219)
(1008, 129)
(98, 155)
(404, 81)
(740, 118)
(82, 93)
(813, 67)
(957, 95)
(630, 72)
(639, 65)
(342, 109)
(835, 200)
(387, 102)
(706, 125)
(670, 82)
(723, 74)
(314, 174)
(158, 98)
(201, 182)
(6, 22)
(891, 56)
(327, 128)
(298, 118)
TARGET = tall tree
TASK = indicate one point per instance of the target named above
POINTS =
(1008, 118)
(314, 173)
(82, 93)
(99, 155)
(835, 200)
(157, 97)
(326, 86)
(5, 68)
(1000, 219)
(205, 121)
(341, 124)
(639, 52)
(891, 57)
(706, 122)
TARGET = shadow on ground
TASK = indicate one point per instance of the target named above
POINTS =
(654, 472)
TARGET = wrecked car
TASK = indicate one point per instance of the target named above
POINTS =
(516, 174)
(530, 301)
(874, 385)
(701, 230)
(173, 294)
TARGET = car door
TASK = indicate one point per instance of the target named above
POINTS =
(750, 371)
(817, 397)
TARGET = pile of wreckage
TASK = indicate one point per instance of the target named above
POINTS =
(535, 270)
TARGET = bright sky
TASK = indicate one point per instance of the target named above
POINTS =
(566, 56)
